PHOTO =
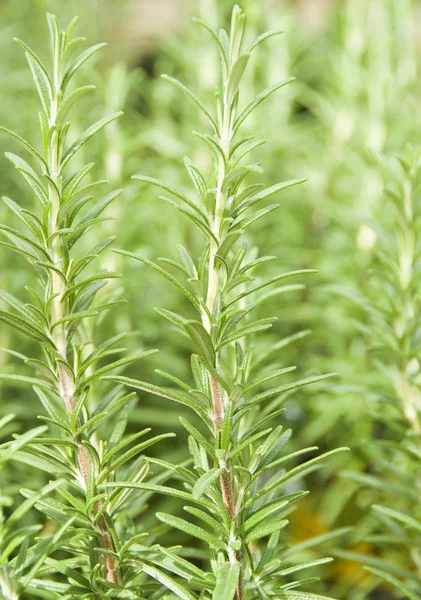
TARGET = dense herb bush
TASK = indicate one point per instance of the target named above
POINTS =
(102, 558)
(357, 88)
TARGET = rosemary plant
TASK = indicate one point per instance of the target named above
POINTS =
(393, 307)
(92, 529)
(16, 575)
(234, 489)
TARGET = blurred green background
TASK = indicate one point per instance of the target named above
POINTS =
(357, 93)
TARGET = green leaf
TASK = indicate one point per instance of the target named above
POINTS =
(196, 177)
(254, 327)
(266, 377)
(297, 595)
(54, 28)
(117, 364)
(205, 481)
(227, 576)
(48, 549)
(199, 437)
(28, 315)
(192, 97)
(228, 425)
(30, 176)
(203, 225)
(51, 407)
(27, 217)
(73, 97)
(28, 255)
(86, 135)
(318, 540)
(244, 223)
(263, 37)
(262, 96)
(157, 489)
(132, 452)
(264, 284)
(173, 318)
(73, 180)
(6, 419)
(91, 217)
(217, 39)
(179, 590)
(79, 61)
(160, 391)
(306, 565)
(19, 442)
(289, 386)
(187, 261)
(270, 549)
(218, 153)
(266, 193)
(164, 273)
(374, 561)
(24, 144)
(40, 75)
(206, 518)
(265, 530)
(123, 443)
(235, 76)
(399, 516)
(292, 473)
(13, 233)
(267, 511)
(193, 530)
(173, 191)
(61, 567)
(202, 340)
(234, 177)
(267, 463)
(84, 283)
(399, 585)
(243, 443)
(283, 343)
(24, 379)
(77, 316)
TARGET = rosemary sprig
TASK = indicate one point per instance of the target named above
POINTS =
(68, 370)
(232, 490)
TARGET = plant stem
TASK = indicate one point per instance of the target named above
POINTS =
(218, 403)
(58, 309)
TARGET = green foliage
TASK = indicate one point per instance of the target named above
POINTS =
(392, 306)
(90, 522)
(92, 506)
(233, 481)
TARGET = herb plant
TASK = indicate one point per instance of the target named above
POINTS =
(234, 488)
(78, 498)
(392, 306)
(17, 574)
(68, 377)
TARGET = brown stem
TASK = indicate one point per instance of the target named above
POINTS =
(227, 492)
(65, 388)
(83, 460)
(226, 482)
(218, 405)
(107, 543)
